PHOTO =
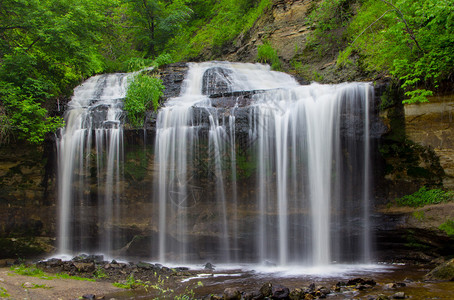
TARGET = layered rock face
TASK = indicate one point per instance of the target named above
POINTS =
(431, 125)
(28, 185)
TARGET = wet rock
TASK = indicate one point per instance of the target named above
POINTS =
(53, 262)
(267, 289)
(84, 267)
(172, 77)
(444, 271)
(209, 266)
(399, 295)
(89, 297)
(232, 294)
(216, 80)
(382, 297)
(144, 265)
(79, 257)
(296, 294)
(280, 292)
(311, 288)
(95, 258)
(361, 281)
(390, 286)
(252, 296)
(324, 291)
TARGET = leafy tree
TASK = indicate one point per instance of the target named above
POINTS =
(46, 48)
(414, 40)
(154, 22)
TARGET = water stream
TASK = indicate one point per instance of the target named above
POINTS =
(91, 144)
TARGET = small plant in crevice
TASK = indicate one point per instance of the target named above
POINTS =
(448, 227)
(419, 215)
(267, 54)
(99, 273)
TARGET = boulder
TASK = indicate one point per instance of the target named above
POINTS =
(444, 271)
(232, 294)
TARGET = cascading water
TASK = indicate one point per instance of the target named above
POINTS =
(312, 168)
(93, 118)
(249, 166)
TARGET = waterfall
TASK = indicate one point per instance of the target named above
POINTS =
(93, 116)
(311, 148)
(247, 166)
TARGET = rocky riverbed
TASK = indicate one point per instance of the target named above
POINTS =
(123, 280)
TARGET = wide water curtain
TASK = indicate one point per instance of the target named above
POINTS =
(308, 150)
(247, 165)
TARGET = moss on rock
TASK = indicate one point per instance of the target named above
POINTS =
(444, 271)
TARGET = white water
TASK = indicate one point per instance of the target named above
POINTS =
(93, 116)
(302, 181)
(296, 192)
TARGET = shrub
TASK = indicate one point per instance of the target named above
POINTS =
(448, 227)
(267, 54)
(143, 91)
(425, 196)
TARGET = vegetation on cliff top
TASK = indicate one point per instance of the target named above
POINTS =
(411, 40)
(48, 47)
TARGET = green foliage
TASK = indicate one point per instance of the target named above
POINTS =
(142, 91)
(329, 21)
(46, 48)
(413, 41)
(419, 215)
(28, 271)
(132, 283)
(138, 63)
(35, 272)
(36, 286)
(135, 166)
(154, 22)
(425, 196)
(448, 227)
(25, 116)
(99, 273)
(162, 60)
(5, 127)
(267, 54)
(214, 25)
(3, 292)
(67, 276)
(246, 166)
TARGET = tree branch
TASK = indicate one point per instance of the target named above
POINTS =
(409, 31)
(371, 25)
